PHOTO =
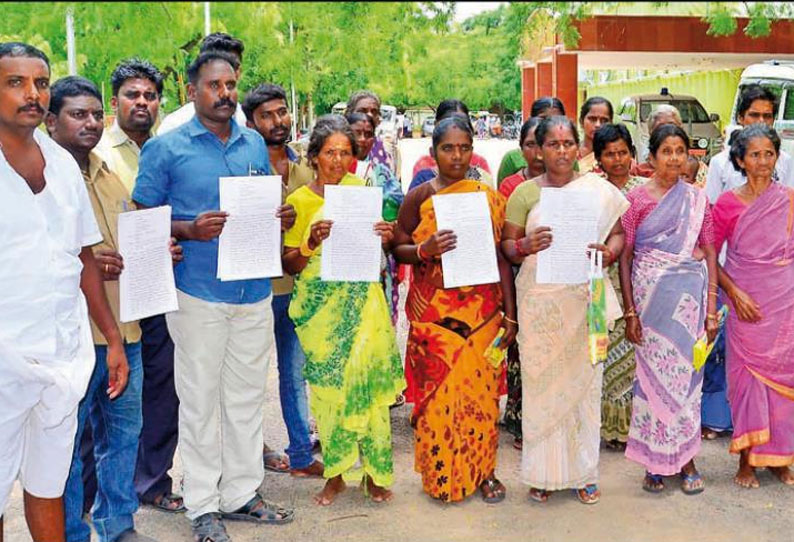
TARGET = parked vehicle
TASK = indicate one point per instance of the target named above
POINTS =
(704, 135)
(427, 127)
(777, 76)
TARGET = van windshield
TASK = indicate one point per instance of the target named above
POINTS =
(688, 109)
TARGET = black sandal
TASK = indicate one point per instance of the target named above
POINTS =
(495, 488)
(166, 502)
(258, 510)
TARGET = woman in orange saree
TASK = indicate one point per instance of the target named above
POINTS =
(456, 408)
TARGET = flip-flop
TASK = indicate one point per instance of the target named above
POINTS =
(539, 495)
(496, 488)
(269, 457)
(269, 512)
(686, 483)
(653, 483)
(589, 494)
(169, 499)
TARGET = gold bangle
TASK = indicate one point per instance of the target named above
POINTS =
(714, 293)
(630, 313)
(508, 319)
(711, 317)
(305, 251)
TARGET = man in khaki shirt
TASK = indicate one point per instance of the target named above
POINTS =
(75, 121)
(137, 88)
(267, 112)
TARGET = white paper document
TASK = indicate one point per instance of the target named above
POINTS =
(473, 261)
(573, 218)
(352, 252)
(249, 246)
(146, 285)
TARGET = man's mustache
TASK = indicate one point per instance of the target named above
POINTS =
(224, 101)
(32, 107)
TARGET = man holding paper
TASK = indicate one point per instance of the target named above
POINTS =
(220, 328)
(75, 122)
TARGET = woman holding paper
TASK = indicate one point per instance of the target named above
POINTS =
(613, 150)
(561, 389)
(663, 277)
(756, 221)
(353, 366)
(456, 407)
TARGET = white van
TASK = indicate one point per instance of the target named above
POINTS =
(777, 76)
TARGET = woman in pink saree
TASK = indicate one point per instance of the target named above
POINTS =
(756, 221)
(663, 278)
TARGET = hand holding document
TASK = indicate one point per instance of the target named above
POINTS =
(352, 252)
(473, 260)
(146, 286)
(249, 246)
(573, 218)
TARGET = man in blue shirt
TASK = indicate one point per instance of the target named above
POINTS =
(220, 330)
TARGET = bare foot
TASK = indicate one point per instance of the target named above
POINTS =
(783, 474)
(315, 469)
(745, 476)
(377, 493)
(333, 487)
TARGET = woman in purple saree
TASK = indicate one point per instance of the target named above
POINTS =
(756, 220)
(663, 279)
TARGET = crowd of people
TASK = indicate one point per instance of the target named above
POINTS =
(92, 410)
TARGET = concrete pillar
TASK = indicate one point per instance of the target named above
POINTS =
(543, 86)
(527, 90)
(565, 80)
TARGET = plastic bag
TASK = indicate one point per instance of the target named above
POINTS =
(702, 348)
(597, 334)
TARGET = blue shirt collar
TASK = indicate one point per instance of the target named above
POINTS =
(195, 129)
(292, 156)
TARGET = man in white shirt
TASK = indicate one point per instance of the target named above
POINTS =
(49, 282)
(756, 104)
(217, 41)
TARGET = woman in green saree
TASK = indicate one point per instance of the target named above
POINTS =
(353, 366)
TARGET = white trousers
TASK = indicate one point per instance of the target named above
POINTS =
(220, 366)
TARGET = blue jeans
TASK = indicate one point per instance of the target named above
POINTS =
(291, 384)
(116, 426)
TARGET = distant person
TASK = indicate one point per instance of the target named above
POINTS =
(595, 112)
(367, 102)
(50, 283)
(513, 160)
(217, 41)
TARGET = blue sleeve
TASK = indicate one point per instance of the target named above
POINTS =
(153, 182)
(421, 178)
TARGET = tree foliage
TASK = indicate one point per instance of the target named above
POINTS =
(411, 53)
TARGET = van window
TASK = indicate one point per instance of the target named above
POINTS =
(788, 107)
(686, 108)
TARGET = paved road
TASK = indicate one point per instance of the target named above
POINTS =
(724, 513)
